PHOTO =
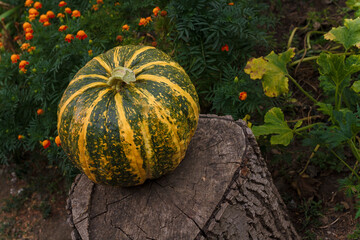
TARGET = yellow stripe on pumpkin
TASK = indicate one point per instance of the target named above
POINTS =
(88, 76)
(174, 87)
(131, 152)
(74, 95)
(161, 112)
(84, 157)
(159, 63)
(135, 55)
(103, 64)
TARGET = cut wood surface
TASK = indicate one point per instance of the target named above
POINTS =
(221, 190)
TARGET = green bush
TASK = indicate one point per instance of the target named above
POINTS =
(212, 41)
(29, 95)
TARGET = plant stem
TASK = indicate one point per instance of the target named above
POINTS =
(354, 149)
(305, 118)
(301, 89)
(352, 170)
(303, 60)
(306, 127)
(308, 161)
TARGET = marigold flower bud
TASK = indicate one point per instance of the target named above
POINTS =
(37, 5)
(68, 10)
(242, 96)
(81, 35)
(69, 37)
(28, 3)
(126, 27)
(225, 48)
(43, 18)
(62, 3)
(50, 14)
(62, 28)
(23, 63)
(33, 11)
(46, 143)
(29, 36)
(58, 141)
(40, 111)
(26, 25)
(14, 58)
(156, 11)
(76, 13)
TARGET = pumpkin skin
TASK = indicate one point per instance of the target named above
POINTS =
(139, 131)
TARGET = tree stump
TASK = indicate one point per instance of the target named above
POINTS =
(221, 190)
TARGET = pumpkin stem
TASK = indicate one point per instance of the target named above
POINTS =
(121, 75)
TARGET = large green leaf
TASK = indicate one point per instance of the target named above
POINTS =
(336, 70)
(275, 124)
(348, 35)
(272, 71)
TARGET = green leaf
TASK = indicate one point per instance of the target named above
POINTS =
(356, 86)
(348, 35)
(272, 70)
(325, 108)
(275, 124)
(10, 12)
(336, 70)
(298, 124)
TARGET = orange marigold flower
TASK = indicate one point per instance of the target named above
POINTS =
(23, 64)
(62, 3)
(14, 58)
(225, 48)
(76, 13)
(125, 27)
(156, 11)
(29, 36)
(90, 52)
(47, 23)
(142, 22)
(37, 5)
(25, 46)
(231, 4)
(99, 1)
(116, 4)
(60, 15)
(20, 137)
(29, 30)
(119, 38)
(46, 143)
(23, 70)
(163, 13)
(16, 38)
(32, 17)
(43, 18)
(31, 49)
(58, 141)
(33, 11)
(81, 35)
(26, 25)
(62, 28)
(242, 96)
(50, 14)
(95, 7)
(68, 10)
(69, 37)
(40, 111)
(154, 43)
(28, 3)
(1, 45)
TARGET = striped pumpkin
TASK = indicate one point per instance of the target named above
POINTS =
(128, 115)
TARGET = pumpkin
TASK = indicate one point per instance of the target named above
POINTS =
(128, 115)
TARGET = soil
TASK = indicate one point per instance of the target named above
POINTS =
(316, 206)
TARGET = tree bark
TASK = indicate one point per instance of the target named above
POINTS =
(221, 190)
